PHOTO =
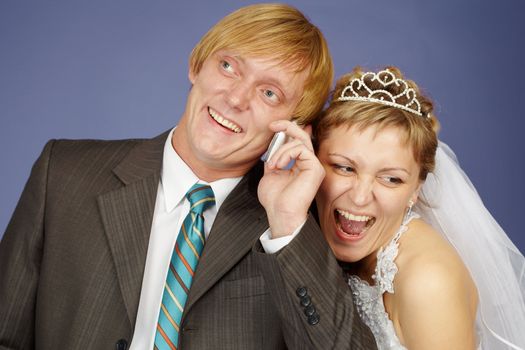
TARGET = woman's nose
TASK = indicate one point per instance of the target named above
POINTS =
(361, 192)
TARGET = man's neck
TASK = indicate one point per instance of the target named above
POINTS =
(203, 171)
(210, 174)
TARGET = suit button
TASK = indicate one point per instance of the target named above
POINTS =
(121, 344)
(306, 301)
(309, 310)
(314, 319)
(301, 291)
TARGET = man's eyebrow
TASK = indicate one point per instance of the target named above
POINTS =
(279, 83)
(238, 58)
(283, 85)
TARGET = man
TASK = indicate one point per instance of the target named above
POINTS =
(93, 246)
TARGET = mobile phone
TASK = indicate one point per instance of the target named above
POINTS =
(278, 140)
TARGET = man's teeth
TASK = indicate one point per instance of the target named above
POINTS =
(224, 122)
(353, 217)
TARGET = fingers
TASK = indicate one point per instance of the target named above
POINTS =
(293, 131)
(284, 155)
(293, 150)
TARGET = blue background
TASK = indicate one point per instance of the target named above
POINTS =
(118, 69)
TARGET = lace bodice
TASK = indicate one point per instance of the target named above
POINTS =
(369, 298)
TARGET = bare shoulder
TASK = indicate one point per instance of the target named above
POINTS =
(426, 256)
(435, 298)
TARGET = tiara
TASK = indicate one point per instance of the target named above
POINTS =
(385, 78)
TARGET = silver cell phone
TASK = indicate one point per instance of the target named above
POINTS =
(278, 140)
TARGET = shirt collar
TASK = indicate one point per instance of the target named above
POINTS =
(177, 178)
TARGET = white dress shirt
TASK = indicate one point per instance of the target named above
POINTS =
(273, 245)
(171, 207)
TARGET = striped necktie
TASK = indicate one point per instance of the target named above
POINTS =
(184, 260)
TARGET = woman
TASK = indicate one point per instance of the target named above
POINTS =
(428, 266)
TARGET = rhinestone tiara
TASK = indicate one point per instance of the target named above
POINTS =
(385, 78)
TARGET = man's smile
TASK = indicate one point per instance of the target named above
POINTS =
(228, 124)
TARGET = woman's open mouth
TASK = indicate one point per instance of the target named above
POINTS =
(351, 224)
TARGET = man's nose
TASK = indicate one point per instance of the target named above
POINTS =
(239, 95)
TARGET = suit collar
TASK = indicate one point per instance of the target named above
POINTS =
(127, 214)
(142, 161)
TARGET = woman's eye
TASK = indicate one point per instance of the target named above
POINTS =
(343, 168)
(392, 180)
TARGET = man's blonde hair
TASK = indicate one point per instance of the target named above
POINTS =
(280, 32)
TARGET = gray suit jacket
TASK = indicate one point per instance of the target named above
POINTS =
(72, 261)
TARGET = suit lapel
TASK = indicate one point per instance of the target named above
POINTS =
(127, 215)
(239, 223)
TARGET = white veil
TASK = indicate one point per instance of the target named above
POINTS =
(454, 208)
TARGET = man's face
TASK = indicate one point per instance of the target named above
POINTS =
(234, 98)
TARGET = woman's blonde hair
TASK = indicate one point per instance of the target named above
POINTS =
(280, 32)
(420, 131)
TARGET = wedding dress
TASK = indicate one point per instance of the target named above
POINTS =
(369, 298)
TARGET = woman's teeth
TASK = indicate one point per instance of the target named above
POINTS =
(224, 122)
(353, 225)
(353, 217)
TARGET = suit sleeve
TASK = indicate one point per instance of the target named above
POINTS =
(313, 299)
(20, 257)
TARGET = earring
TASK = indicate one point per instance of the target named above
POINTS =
(410, 205)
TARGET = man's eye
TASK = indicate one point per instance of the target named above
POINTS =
(226, 66)
(270, 95)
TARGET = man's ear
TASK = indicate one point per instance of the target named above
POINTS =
(308, 129)
(191, 75)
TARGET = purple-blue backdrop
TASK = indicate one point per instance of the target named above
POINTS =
(118, 69)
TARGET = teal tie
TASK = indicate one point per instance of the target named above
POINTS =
(184, 260)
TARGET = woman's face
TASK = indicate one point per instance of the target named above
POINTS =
(371, 176)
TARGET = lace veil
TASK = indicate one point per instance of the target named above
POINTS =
(454, 208)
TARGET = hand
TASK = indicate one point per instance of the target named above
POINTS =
(286, 194)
